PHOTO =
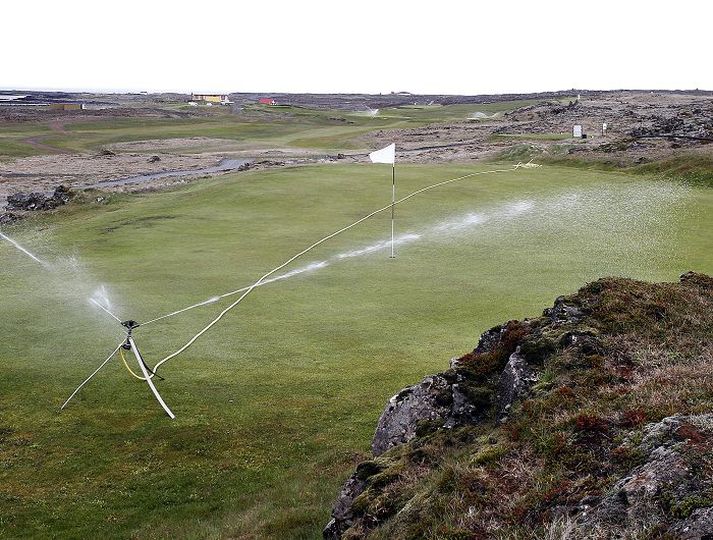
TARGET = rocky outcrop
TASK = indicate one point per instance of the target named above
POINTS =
(698, 125)
(342, 513)
(430, 399)
(515, 381)
(665, 488)
(8, 217)
(553, 427)
(563, 311)
(30, 202)
(442, 401)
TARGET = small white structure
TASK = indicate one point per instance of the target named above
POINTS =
(604, 129)
(577, 131)
(372, 112)
(193, 104)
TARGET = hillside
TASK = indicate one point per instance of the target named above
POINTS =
(591, 421)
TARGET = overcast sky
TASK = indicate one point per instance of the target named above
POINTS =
(371, 46)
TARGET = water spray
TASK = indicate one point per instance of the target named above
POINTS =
(23, 250)
(99, 299)
(390, 206)
(129, 326)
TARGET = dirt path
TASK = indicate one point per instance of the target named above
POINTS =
(36, 143)
(57, 126)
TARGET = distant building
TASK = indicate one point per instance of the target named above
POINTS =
(67, 106)
(267, 101)
(577, 131)
(211, 98)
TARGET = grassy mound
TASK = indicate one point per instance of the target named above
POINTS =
(612, 361)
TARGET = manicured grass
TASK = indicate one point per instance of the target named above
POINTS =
(276, 403)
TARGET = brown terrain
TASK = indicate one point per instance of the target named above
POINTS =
(642, 127)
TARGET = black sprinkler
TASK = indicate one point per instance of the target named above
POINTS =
(129, 325)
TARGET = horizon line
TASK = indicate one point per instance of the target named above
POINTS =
(400, 92)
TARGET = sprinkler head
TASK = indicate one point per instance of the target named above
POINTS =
(130, 324)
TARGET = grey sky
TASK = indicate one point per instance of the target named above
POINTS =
(368, 46)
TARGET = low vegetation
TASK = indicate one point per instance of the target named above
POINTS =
(612, 360)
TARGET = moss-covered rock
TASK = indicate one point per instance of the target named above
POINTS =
(591, 420)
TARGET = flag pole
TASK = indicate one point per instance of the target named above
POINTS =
(393, 205)
(388, 155)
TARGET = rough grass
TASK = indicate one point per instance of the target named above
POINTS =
(530, 136)
(279, 402)
(695, 167)
(256, 126)
(574, 436)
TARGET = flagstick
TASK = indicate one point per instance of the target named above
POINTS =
(393, 205)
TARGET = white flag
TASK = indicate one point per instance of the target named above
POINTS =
(385, 155)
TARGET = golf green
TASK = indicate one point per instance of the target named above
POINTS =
(277, 402)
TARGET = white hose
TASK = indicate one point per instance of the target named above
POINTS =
(308, 249)
(140, 361)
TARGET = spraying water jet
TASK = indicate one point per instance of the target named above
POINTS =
(131, 325)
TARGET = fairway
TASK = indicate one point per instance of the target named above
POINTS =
(254, 127)
(277, 402)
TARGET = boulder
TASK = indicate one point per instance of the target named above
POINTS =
(515, 382)
(30, 202)
(430, 399)
(8, 217)
(665, 488)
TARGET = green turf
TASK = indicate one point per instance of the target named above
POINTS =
(254, 127)
(277, 402)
